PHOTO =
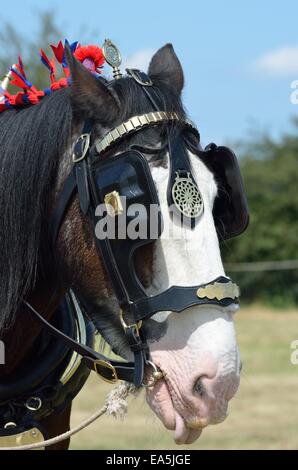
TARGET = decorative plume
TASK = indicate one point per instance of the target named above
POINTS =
(90, 56)
(50, 64)
(19, 80)
(20, 67)
(58, 51)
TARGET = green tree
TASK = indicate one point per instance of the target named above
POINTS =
(270, 172)
(14, 43)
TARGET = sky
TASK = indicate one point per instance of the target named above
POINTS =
(239, 58)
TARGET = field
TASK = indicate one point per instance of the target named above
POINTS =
(263, 415)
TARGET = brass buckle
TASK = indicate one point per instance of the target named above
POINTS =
(109, 367)
(137, 325)
(136, 76)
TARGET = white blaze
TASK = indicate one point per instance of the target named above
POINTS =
(201, 340)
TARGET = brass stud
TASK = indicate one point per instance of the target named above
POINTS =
(113, 203)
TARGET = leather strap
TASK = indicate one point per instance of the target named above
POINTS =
(140, 350)
(177, 299)
(63, 203)
(179, 165)
(53, 354)
(124, 370)
(81, 173)
(142, 79)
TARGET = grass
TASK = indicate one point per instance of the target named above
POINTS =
(263, 415)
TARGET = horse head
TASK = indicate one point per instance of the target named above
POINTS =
(97, 157)
(195, 349)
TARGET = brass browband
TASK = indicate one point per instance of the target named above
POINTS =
(139, 122)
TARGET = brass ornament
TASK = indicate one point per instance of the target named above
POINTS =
(219, 291)
(31, 436)
(113, 57)
(187, 197)
(137, 123)
(137, 325)
(113, 203)
(157, 375)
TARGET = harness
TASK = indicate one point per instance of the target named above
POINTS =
(49, 382)
(100, 181)
(65, 356)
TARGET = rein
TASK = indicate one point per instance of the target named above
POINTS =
(115, 405)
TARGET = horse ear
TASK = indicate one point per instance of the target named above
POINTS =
(165, 67)
(90, 97)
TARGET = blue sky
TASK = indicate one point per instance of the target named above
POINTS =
(239, 59)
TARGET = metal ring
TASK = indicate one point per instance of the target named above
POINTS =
(10, 425)
(35, 406)
(155, 377)
(85, 138)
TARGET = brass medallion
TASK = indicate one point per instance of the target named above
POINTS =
(112, 57)
(187, 197)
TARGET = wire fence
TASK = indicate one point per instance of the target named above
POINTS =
(269, 282)
(263, 266)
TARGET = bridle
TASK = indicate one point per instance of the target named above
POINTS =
(96, 182)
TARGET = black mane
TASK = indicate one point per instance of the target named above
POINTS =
(32, 140)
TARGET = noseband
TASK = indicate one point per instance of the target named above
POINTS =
(104, 181)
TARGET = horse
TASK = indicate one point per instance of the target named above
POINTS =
(184, 339)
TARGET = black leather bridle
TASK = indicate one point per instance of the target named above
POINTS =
(88, 178)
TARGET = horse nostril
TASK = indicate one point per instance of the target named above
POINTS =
(240, 366)
(199, 387)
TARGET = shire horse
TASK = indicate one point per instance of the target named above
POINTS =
(193, 353)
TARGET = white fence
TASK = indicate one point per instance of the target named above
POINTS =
(263, 266)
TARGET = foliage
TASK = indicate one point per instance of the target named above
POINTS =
(14, 43)
(270, 172)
